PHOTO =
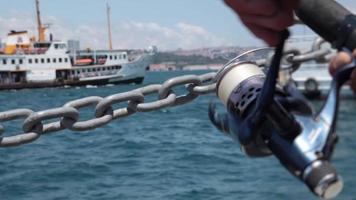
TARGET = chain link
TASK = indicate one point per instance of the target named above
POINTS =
(156, 105)
(88, 124)
(21, 138)
(34, 124)
(295, 58)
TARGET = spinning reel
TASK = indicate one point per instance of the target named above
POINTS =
(267, 118)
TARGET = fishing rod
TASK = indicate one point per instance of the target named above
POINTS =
(268, 119)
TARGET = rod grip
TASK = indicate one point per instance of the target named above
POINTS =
(330, 20)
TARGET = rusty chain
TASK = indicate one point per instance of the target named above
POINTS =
(67, 116)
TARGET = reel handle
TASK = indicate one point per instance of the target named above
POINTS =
(329, 111)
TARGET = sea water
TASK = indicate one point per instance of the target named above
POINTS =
(173, 153)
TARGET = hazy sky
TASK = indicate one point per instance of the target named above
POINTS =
(169, 24)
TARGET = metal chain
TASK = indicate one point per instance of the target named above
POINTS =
(295, 58)
(35, 124)
(68, 115)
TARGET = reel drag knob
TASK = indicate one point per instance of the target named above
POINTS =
(322, 179)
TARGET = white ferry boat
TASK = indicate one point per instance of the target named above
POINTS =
(27, 63)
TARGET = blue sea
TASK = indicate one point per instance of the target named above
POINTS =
(174, 153)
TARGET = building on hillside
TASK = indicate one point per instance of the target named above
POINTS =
(168, 66)
(203, 67)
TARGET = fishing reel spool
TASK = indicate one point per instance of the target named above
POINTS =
(270, 119)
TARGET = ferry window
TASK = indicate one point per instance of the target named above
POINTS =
(94, 70)
(48, 60)
(42, 45)
(89, 70)
(20, 61)
(13, 61)
(30, 61)
(56, 46)
(66, 60)
(54, 60)
(120, 56)
(36, 60)
(4, 61)
(60, 60)
(124, 56)
(42, 60)
(83, 70)
(115, 57)
(110, 57)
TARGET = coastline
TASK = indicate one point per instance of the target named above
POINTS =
(173, 67)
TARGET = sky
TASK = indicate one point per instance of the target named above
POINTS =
(136, 24)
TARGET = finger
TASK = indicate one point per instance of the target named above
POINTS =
(342, 59)
(339, 61)
(289, 4)
(254, 7)
(269, 36)
(277, 22)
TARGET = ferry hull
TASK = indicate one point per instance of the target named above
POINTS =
(129, 72)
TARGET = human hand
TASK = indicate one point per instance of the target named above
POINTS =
(265, 18)
(340, 60)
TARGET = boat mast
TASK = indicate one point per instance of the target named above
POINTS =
(40, 27)
(108, 9)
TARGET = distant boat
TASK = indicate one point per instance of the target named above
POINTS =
(29, 63)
